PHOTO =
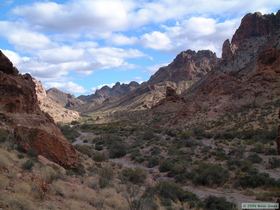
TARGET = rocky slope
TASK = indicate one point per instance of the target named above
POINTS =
(21, 116)
(52, 105)
(64, 99)
(246, 79)
(106, 95)
(186, 69)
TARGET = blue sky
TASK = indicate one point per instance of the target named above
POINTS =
(80, 45)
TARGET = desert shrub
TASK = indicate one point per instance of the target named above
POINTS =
(155, 151)
(170, 191)
(220, 154)
(210, 175)
(233, 164)
(216, 203)
(258, 148)
(137, 156)
(166, 165)
(135, 176)
(99, 157)
(186, 134)
(171, 133)
(28, 165)
(85, 149)
(148, 135)
(3, 135)
(32, 153)
(152, 162)
(18, 202)
(98, 146)
(78, 170)
(274, 163)
(254, 158)
(117, 150)
(255, 179)
(69, 132)
(106, 175)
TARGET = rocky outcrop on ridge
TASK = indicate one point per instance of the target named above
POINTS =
(54, 109)
(20, 114)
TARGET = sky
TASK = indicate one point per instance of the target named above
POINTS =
(81, 45)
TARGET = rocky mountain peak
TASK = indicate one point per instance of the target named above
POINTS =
(6, 65)
(188, 65)
(256, 25)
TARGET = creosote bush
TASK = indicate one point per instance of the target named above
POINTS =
(210, 175)
(134, 175)
(28, 165)
(216, 203)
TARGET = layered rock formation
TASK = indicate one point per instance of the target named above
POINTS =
(64, 99)
(21, 115)
(53, 108)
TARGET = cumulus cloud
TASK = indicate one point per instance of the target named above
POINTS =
(69, 87)
(120, 39)
(156, 40)
(194, 33)
(22, 37)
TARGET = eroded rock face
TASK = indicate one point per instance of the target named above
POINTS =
(249, 73)
(20, 113)
(6, 65)
(54, 109)
(188, 65)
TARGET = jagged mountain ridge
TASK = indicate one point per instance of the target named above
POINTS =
(187, 68)
(247, 76)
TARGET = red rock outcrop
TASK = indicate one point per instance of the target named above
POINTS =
(247, 76)
(20, 113)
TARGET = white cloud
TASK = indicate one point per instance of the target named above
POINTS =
(156, 40)
(69, 87)
(195, 33)
(22, 37)
(120, 39)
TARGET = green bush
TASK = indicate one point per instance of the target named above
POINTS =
(85, 149)
(155, 151)
(152, 162)
(106, 175)
(255, 179)
(117, 150)
(69, 132)
(3, 135)
(135, 176)
(166, 165)
(99, 157)
(215, 203)
(28, 165)
(210, 175)
(274, 163)
(254, 158)
(167, 190)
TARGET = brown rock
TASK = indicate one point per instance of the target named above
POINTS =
(227, 51)
(19, 111)
(6, 65)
